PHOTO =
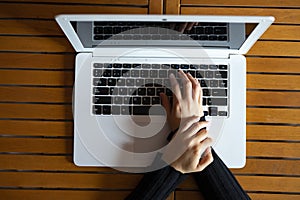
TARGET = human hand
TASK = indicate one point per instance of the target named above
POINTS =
(186, 103)
(185, 152)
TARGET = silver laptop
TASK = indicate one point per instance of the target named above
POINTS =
(123, 64)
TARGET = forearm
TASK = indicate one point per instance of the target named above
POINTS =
(217, 182)
(157, 184)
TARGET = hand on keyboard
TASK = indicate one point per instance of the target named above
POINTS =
(185, 104)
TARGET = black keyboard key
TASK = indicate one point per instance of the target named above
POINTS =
(175, 66)
(199, 74)
(165, 66)
(213, 37)
(213, 67)
(163, 74)
(160, 90)
(98, 65)
(146, 66)
(219, 92)
(208, 30)
(213, 111)
(204, 101)
(139, 82)
(217, 101)
(220, 74)
(203, 37)
(155, 66)
(222, 83)
(222, 113)
(146, 100)
(111, 81)
(209, 74)
(203, 66)
(117, 73)
(184, 66)
(142, 91)
(125, 73)
(127, 65)
(97, 72)
(155, 100)
(100, 91)
(213, 83)
(194, 66)
(137, 66)
(199, 30)
(206, 92)
(121, 82)
(98, 30)
(153, 73)
(222, 38)
(135, 73)
(220, 30)
(102, 100)
(97, 110)
(136, 100)
(107, 73)
(205, 113)
(107, 30)
(169, 92)
(98, 37)
(140, 110)
(150, 91)
(203, 83)
(224, 67)
(100, 82)
(106, 110)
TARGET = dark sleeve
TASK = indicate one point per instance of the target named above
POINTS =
(157, 184)
(218, 183)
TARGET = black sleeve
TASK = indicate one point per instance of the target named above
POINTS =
(157, 184)
(216, 182)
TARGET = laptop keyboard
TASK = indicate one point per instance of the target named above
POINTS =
(130, 31)
(134, 88)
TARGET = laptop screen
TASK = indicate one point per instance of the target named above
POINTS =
(206, 34)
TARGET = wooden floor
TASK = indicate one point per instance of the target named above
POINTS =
(36, 79)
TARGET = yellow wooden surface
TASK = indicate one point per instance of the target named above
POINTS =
(37, 75)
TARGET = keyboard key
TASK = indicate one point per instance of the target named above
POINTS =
(213, 67)
(155, 66)
(219, 92)
(175, 66)
(135, 73)
(146, 66)
(107, 73)
(129, 82)
(222, 113)
(163, 74)
(160, 90)
(98, 65)
(146, 100)
(213, 111)
(224, 67)
(213, 83)
(206, 92)
(139, 82)
(141, 91)
(150, 91)
(184, 66)
(136, 100)
(203, 66)
(97, 110)
(117, 100)
(117, 65)
(140, 110)
(217, 101)
(122, 91)
(144, 73)
(153, 73)
(222, 38)
(165, 66)
(102, 100)
(111, 82)
(117, 73)
(100, 91)
(116, 110)
(127, 65)
(220, 30)
(97, 72)
(199, 74)
(106, 110)
(209, 74)
(126, 110)
(222, 83)
(155, 100)
(99, 82)
(113, 91)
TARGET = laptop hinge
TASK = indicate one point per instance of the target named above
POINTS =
(161, 52)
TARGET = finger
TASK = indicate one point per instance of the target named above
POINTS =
(187, 85)
(206, 160)
(182, 27)
(165, 103)
(187, 123)
(194, 128)
(175, 107)
(175, 87)
(190, 26)
(196, 86)
(200, 136)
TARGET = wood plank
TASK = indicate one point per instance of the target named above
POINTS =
(49, 11)
(262, 196)
(281, 32)
(36, 145)
(36, 111)
(273, 65)
(273, 115)
(109, 2)
(36, 128)
(257, 183)
(275, 82)
(37, 61)
(69, 180)
(156, 6)
(45, 163)
(37, 77)
(172, 7)
(35, 94)
(64, 146)
(256, 3)
(265, 98)
(287, 16)
(30, 27)
(270, 167)
(268, 132)
(38, 194)
(35, 44)
(271, 48)
(273, 149)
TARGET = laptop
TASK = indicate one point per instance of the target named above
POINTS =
(124, 63)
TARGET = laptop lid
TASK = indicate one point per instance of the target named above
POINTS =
(255, 26)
